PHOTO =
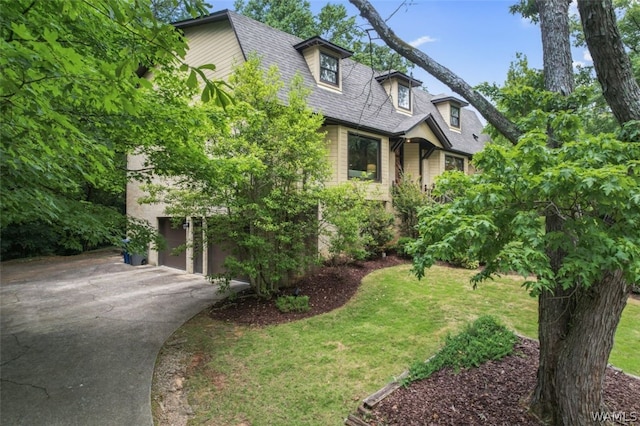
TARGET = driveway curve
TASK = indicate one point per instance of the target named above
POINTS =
(80, 336)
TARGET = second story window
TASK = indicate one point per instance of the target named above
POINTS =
(455, 116)
(328, 68)
(404, 97)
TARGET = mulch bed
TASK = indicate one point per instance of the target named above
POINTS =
(493, 394)
(330, 287)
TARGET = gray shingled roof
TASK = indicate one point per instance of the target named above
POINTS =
(363, 103)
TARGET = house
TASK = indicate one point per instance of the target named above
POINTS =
(377, 124)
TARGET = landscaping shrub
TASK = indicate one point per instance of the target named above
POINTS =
(292, 304)
(377, 229)
(355, 227)
(463, 261)
(402, 247)
(407, 198)
(481, 341)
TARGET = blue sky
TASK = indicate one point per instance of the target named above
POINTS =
(477, 39)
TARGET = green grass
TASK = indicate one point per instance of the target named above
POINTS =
(316, 371)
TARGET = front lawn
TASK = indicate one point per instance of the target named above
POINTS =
(317, 370)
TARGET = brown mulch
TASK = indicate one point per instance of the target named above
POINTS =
(330, 287)
(493, 394)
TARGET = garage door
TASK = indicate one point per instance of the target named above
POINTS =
(175, 237)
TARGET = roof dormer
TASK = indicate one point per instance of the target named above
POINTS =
(398, 86)
(324, 60)
(449, 107)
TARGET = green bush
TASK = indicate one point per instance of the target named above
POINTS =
(402, 247)
(377, 229)
(481, 341)
(356, 228)
(343, 212)
(463, 261)
(407, 198)
(292, 304)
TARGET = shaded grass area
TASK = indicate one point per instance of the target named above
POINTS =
(315, 371)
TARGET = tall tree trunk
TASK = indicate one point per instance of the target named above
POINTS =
(585, 352)
(610, 60)
(576, 324)
(555, 305)
(556, 45)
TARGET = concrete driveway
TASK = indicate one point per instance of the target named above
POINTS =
(80, 336)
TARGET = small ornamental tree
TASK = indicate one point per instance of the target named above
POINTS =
(256, 177)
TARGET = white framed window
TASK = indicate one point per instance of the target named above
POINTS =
(364, 157)
(404, 97)
(329, 68)
(455, 116)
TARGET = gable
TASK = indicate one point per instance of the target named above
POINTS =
(225, 56)
(361, 102)
(422, 131)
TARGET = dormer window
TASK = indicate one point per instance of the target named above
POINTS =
(398, 86)
(450, 108)
(404, 97)
(323, 59)
(329, 68)
(455, 116)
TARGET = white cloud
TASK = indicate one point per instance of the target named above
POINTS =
(422, 40)
(586, 55)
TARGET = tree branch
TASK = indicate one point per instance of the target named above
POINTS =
(610, 59)
(507, 128)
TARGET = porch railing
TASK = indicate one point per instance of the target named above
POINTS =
(429, 191)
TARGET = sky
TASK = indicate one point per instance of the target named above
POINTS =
(476, 39)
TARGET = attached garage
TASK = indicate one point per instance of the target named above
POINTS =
(215, 259)
(175, 236)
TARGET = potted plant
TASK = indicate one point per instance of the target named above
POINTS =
(141, 236)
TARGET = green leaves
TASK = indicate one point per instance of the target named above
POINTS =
(254, 168)
(479, 342)
(72, 104)
(213, 91)
(591, 183)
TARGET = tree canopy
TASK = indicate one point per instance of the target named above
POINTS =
(70, 97)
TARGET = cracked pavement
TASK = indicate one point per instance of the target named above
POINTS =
(80, 336)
